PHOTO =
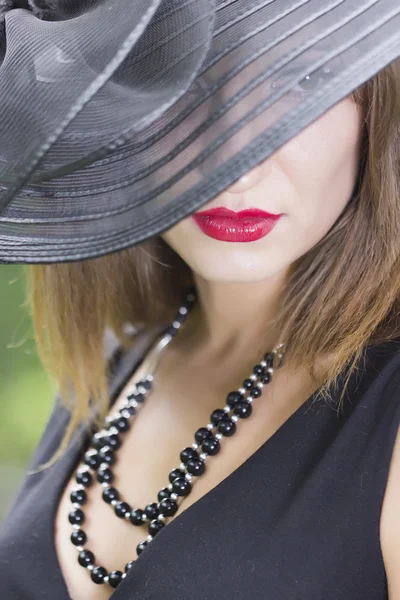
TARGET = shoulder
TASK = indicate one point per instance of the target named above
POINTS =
(390, 524)
(121, 361)
(390, 514)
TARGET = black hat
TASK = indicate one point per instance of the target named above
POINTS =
(118, 118)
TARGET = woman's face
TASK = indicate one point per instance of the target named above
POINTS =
(308, 182)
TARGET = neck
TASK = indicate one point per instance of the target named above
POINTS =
(231, 318)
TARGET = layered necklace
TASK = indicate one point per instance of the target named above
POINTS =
(98, 461)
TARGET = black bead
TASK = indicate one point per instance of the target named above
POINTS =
(107, 455)
(140, 547)
(136, 516)
(76, 516)
(109, 494)
(145, 383)
(258, 369)
(196, 466)
(217, 415)
(190, 297)
(180, 317)
(92, 460)
(163, 494)
(168, 507)
(243, 409)
(121, 509)
(211, 446)
(97, 574)
(233, 397)
(140, 398)
(175, 474)
(265, 377)
(255, 392)
(182, 487)
(84, 478)
(78, 496)
(187, 454)
(105, 475)
(130, 409)
(201, 434)
(114, 441)
(269, 359)
(129, 565)
(78, 538)
(121, 423)
(151, 510)
(85, 558)
(172, 331)
(115, 578)
(98, 442)
(247, 383)
(155, 527)
(227, 427)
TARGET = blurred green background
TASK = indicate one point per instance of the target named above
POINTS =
(26, 394)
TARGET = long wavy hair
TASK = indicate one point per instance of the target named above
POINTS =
(341, 296)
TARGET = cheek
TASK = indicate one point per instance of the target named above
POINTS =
(321, 165)
(310, 179)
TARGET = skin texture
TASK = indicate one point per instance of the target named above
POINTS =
(310, 179)
(390, 525)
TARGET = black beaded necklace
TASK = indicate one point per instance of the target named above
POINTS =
(104, 445)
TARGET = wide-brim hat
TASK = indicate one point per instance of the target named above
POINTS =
(118, 118)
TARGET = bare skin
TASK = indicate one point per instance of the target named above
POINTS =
(310, 180)
(390, 525)
(184, 396)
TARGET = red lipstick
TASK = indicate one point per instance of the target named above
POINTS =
(229, 226)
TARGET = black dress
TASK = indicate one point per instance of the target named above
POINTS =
(298, 520)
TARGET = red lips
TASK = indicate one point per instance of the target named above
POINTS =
(229, 226)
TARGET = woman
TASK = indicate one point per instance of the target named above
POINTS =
(227, 423)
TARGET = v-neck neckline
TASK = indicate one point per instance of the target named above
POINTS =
(128, 364)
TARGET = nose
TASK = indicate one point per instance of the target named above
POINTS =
(247, 181)
(234, 113)
(234, 143)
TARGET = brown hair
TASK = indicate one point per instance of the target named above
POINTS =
(340, 296)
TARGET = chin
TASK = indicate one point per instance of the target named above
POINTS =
(233, 263)
(228, 262)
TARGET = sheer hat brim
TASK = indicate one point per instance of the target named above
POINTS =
(120, 118)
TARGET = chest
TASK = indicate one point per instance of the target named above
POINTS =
(150, 451)
(282, 524)
(292, 521)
